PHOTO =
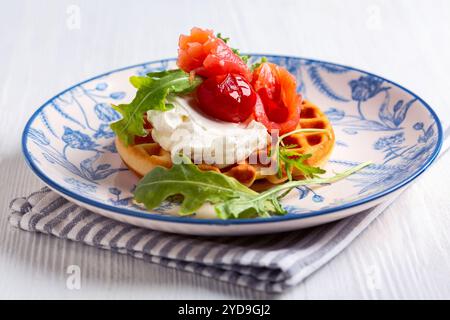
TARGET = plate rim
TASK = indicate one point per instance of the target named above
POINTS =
(176, 219)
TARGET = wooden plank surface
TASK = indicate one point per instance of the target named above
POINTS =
(45, 48)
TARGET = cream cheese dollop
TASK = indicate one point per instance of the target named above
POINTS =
(184, 128)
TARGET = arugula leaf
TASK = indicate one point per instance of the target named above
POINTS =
(142, 81)
(152, 94)
(163, 73)
(239, 208)
(196, 186)
(138, 81)
(292, 159)
(231, 198)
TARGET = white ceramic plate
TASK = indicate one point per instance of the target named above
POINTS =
(68, 144)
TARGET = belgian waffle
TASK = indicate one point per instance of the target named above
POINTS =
(144, 157)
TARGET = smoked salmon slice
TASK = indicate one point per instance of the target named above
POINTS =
(206, 55)
(280, 107)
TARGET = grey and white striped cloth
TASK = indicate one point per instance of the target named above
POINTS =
(269, 263)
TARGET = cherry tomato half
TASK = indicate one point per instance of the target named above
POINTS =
(280, 107)
(227, 97)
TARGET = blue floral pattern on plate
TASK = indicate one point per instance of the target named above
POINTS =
(69, 144)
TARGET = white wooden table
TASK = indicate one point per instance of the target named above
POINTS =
(46, 46)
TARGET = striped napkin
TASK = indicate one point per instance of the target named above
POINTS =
(268, 263)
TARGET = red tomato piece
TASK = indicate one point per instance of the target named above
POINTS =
(280, 103)
(206, 55)
(227, 97)
(148, 138)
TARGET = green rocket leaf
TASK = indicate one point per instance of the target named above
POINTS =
(152, 94)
